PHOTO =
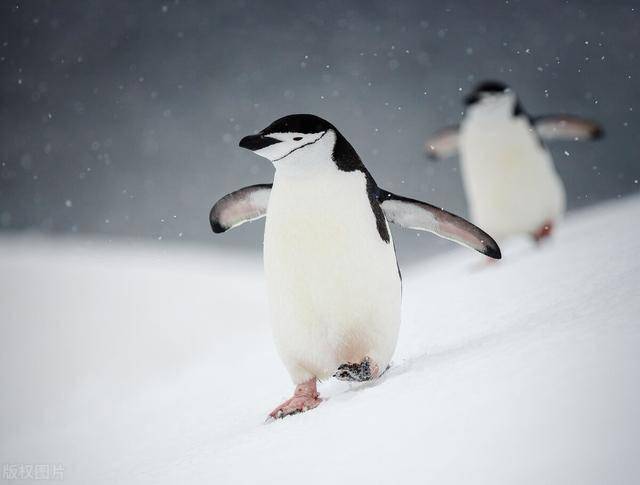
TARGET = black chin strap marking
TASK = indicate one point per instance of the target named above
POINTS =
(301, 146)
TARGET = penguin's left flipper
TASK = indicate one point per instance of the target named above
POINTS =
(414, 214)
(243, 205)
(567, 127)
(443, 143)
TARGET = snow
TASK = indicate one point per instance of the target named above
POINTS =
(130, 364)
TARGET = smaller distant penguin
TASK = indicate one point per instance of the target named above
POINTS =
(511, 183)
(332, 277)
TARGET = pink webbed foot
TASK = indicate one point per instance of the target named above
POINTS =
(543, 232)
(304, 398)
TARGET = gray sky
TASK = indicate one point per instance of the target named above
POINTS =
(122, 118)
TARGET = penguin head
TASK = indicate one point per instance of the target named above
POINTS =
(490, 94)
(296, 133)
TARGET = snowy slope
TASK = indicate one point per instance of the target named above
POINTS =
(135, 365)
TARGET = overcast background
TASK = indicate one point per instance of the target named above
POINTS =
(122, 118)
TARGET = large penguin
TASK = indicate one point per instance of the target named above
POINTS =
(510, 180)
(332, 277)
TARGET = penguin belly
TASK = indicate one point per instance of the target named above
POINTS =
(333, 283)
(510, 180)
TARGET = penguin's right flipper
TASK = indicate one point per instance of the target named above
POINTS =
(443, 143)
(414, 214)
(243, 205)
(567, 127)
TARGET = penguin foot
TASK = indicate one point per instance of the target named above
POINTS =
(305, 397)
(543, 232)
(360, 372)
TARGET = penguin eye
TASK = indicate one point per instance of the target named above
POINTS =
(297, 138)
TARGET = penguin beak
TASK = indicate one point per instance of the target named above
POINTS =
(471, 98)
(257, 142)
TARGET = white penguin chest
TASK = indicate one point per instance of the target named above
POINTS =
(501, 148)
(510, 180)
(325, 261)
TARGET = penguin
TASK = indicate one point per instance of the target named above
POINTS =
(509, 177)
(333, 282)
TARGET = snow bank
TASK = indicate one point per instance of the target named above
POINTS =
(131, 365)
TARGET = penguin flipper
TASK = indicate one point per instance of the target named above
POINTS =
(414, 214)
(567, 127)
(443, 143)
(243, 205)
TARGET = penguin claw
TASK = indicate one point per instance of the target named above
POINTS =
(293, 406)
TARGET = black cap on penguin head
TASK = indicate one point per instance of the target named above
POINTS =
(485, 88)
(298, 123)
